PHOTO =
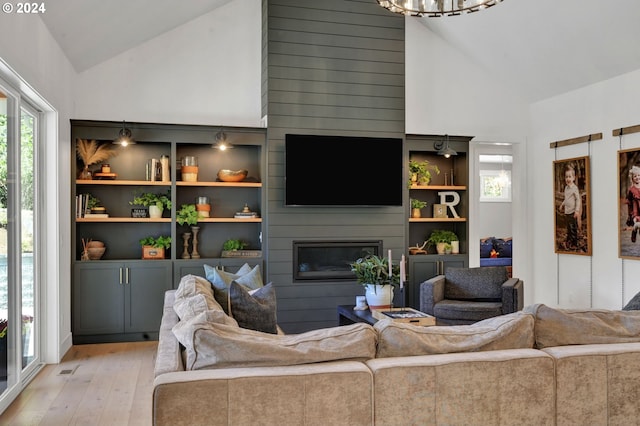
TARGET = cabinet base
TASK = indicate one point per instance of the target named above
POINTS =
(114, 338)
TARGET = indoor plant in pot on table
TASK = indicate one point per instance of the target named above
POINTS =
(373, 273)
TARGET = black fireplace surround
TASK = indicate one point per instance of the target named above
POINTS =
(329, 260)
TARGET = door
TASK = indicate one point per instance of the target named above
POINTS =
(146, 283)
(98, 297)
(19, 238)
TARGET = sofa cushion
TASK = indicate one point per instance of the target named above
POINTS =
(255, 310)
(512, 331)
(211, 345)
(193, 296)
(559, 327)
(191, 285)
(246, 276)
(475, 283)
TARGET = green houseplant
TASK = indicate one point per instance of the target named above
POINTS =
(420, 172)
(154, 247)
(231, 245)
(416, 205)
(156, 202)
(187, 215)
(373, 273)
(439, 238)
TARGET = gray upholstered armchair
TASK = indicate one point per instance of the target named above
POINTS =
(468, 295)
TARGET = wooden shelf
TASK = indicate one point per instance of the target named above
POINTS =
(437, 219)
(121, 182)
(124, 219)
(440, 187)
(227, 184)
(229, 220)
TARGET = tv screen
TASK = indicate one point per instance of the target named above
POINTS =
(343, 171)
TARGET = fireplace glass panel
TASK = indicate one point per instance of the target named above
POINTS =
(329, 260)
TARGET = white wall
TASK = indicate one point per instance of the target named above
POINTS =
(27, 47)
(207, 71)
(603, 280)
(446, 93)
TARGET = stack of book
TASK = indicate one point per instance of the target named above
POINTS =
(83, 210)
(245, 215)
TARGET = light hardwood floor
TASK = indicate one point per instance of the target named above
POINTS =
(109, 384)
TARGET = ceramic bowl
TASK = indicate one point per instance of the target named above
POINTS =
(95, 253)
(232, 175)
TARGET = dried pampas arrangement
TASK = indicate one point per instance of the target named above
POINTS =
(90, 152)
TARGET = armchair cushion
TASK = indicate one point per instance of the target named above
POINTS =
(475, 283)
(466, 310)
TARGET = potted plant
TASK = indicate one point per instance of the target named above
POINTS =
(231, 247)
(153, 248)
(420, 172)
(416, 205)
(187, 215)
(373, 273)
(439, 238)
(155, 202)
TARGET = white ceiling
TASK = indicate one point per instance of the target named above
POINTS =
(92, 31)
(542, 48)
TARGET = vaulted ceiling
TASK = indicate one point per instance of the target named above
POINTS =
(541, 47)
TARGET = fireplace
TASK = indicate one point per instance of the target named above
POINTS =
(329, 260)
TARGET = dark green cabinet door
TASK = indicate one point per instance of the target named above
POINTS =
(147, 282)
(98, 298)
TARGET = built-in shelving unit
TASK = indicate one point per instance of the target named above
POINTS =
(453, 177)
(115, 283)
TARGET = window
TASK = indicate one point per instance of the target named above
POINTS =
(19, 240)
(495, 185)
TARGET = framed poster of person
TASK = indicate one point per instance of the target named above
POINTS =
(629, 205)
(571, 202)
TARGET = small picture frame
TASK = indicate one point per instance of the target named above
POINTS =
(440, 210)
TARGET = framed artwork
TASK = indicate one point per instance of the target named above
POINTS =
(571, 200)
(495, 186)
(629, 205)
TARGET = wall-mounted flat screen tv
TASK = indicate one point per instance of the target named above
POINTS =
(343, 171)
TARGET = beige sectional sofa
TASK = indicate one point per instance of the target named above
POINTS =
(542, 366)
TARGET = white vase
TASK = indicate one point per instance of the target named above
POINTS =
(155, 212)
(379, 296)
(455, 247)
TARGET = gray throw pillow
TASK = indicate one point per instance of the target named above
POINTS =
(634, 304)
(255, 311)
(250, 278)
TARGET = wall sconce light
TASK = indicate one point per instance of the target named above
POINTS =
(444, 148)
(124, 137)
(221, 141)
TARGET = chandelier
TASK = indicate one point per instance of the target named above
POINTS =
(435, 8)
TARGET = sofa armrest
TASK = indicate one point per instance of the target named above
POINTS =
(169, 355)
(431, 292)
(512, 295)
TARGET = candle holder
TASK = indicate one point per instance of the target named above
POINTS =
(194, 252)
(186, 236)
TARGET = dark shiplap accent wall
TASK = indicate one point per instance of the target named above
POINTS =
(332, 67)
